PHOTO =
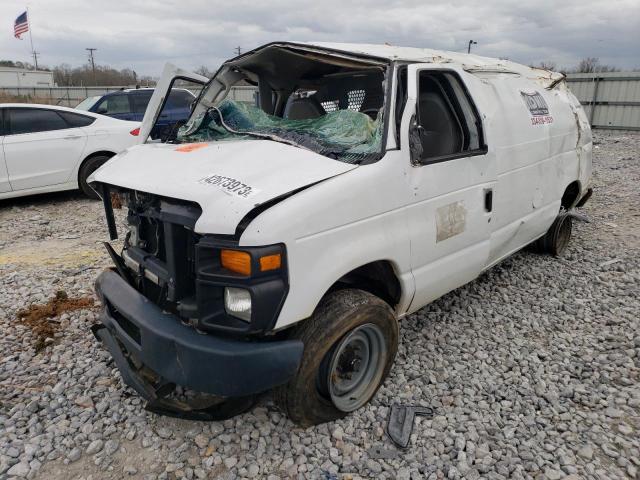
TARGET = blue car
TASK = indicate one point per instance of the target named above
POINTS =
(131, 104)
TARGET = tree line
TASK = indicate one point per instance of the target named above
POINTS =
(103, 75)
(586, 65)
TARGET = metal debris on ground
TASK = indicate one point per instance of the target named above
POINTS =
(609, 262)
(401, 419)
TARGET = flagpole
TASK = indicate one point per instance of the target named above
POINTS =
(33, 52)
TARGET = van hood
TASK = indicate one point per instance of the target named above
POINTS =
(227, 179)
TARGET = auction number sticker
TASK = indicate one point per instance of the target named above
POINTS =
(230, 186)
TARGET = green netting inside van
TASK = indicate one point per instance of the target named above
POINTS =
(345, 135)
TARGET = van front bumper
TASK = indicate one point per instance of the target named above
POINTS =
(142, 338)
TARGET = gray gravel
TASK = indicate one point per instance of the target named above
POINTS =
(533, 368)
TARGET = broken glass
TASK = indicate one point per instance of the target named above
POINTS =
(344, 135)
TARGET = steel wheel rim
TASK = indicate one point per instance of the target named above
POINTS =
(356, 367)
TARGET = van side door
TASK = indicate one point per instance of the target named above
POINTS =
(156, 108)
(535, 148)
(451, 179)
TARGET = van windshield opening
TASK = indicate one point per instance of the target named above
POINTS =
(345, 135)
(327, 104)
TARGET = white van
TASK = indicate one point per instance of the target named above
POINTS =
(278, 244)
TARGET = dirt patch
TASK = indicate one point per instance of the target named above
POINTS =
(52, 252)
(131, 461)
(116, 200)
(39, 317)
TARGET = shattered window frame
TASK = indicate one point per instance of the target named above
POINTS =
(386, 66)
(346, 135)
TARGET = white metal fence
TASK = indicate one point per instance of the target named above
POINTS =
(611, 100)
(71, 96)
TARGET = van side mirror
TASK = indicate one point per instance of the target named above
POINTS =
(415, 142)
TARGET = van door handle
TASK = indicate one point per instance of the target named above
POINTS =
(72, 137)
(488, 199)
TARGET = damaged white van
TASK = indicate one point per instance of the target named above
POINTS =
(277, 245)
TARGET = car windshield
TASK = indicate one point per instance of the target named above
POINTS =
(87, 103)
(332, 105)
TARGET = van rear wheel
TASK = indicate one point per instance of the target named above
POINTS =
(556, 240)
(350, 343)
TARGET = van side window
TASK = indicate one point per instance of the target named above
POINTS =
(449, 124)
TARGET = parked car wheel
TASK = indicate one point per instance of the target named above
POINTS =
(88, 167)
(350, 343)
(556, 240)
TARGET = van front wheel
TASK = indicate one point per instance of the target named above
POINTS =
(350, 343)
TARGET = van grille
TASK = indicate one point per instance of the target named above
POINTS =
(161, 229)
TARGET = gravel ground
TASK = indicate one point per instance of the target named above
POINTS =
(533, 368)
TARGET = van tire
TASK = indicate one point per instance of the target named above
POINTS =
(343, 316)
(556, 240)
(89, 166)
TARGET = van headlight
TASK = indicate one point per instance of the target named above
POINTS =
(237, 302)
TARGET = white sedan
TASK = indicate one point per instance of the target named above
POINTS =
(46, 148)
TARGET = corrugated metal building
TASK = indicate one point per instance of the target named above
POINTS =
(611, 100)
(21, 77)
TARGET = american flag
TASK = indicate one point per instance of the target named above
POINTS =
(21, 26)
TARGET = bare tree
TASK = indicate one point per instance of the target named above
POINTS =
(18, 64)
(546, 65)
(587, 65)
(65, 75)
(204, 71)
(592, 65)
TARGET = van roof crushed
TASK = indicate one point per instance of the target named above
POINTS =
(469, 62)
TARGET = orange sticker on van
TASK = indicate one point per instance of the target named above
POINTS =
(190, 147)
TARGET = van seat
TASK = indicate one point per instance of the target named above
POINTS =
(303, 109)
(440, 133)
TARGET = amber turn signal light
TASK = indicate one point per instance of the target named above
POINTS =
(270, 262)
(236, 261)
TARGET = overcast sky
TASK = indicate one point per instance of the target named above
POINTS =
(143, 34)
